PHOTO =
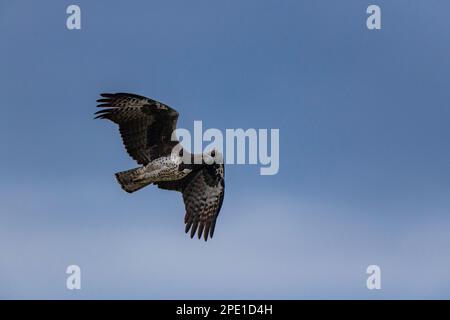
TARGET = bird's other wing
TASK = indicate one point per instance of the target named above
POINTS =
(203, 196)
(145, 125)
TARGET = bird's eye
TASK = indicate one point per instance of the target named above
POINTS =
(180, 153)
(213, 153)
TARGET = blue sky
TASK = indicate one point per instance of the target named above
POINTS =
(364, 159)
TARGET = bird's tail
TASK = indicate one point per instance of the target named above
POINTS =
(132, 180)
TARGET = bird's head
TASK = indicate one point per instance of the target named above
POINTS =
(213, 156)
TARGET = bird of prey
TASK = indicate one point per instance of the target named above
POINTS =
(146, 127)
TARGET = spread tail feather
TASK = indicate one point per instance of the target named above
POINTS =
(132, 180)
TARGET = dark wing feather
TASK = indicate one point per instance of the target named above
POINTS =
(203, 196)
(175, 185)
(145, 125)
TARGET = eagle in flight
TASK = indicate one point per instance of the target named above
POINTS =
(146, 127)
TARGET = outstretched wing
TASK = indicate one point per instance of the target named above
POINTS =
(203, 193)
(145, 125)
(203, 196)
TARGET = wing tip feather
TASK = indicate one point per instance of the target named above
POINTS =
(107, 95)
